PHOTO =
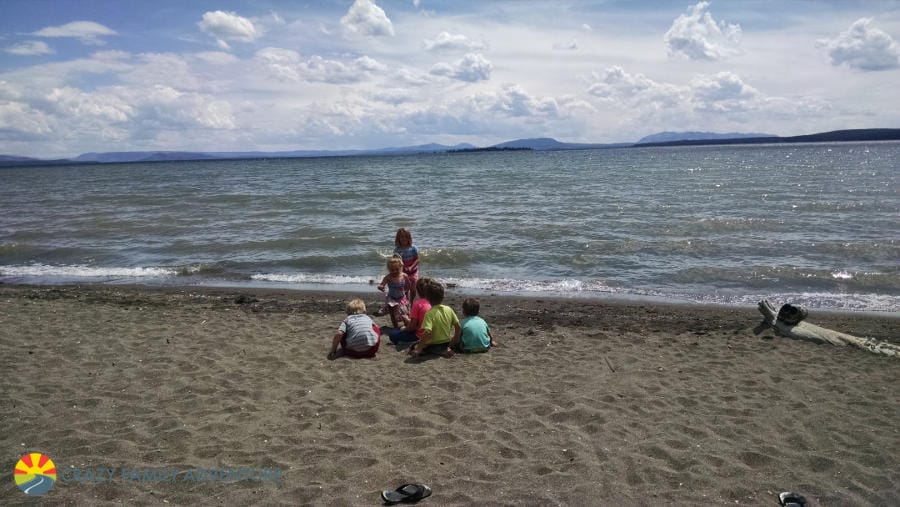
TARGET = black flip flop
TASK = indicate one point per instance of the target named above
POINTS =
(788, 499)
(407, 493)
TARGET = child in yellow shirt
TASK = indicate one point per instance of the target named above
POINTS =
(439, 327)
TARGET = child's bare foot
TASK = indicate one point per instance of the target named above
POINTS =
(448, 353)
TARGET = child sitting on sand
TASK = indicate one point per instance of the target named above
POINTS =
(397, 283)
(403, 246)
(439, 327)
(357, 335)
(475, 336)
(412, 327)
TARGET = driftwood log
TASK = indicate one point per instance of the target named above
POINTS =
(806, 331)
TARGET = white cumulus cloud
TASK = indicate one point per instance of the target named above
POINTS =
(18, 121)
(30, 48)
(697, 36)
(446, 41)
(472, 67)
(163, 107)
(863, 47)
(395, 96)
(513, 100)
(616, 85)
(104, 106)
(571, 45)
(721, 100)
(88, 32)
(366, 18)
(288, 65)
(723, 92)
(228, 26)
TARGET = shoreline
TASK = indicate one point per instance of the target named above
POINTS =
(357, 289)
(880, 325)
(582, 402)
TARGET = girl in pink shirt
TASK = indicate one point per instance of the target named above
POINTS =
(412, 327)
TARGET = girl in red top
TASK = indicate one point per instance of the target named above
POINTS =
(412, 323)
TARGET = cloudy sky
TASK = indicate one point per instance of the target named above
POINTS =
(113, 75)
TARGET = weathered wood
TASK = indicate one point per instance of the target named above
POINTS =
(805, 331)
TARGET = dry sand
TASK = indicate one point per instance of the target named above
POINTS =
(584, 403)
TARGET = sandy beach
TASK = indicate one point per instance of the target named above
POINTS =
(585, 402)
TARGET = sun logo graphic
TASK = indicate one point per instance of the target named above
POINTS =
(35, 473)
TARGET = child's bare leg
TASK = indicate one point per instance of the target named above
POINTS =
(395, 316)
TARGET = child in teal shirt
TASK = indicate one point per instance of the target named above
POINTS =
(475, 335)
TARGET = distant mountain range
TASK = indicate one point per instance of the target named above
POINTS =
(834, 136)
(550, 144)
(669, 137)
(535, 144)
(154, 156)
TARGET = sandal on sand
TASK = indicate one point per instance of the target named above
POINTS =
(407, 493)
(788, 499)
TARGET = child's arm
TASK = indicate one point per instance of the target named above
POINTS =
(384, 282)
(421, 344)
(493, 342)
(334, 344)
(457, 333)
(409, 287)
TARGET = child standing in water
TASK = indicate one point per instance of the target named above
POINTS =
(403, 246)
(396, 282)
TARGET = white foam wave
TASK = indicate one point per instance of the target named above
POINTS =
(823, 300)
(586, 288)
(842, 275)
(481, 284)
(513, 285)
(311, 278)
(78, 271)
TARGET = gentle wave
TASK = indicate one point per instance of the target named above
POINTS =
(76, 271)
(219, 274)
(514, 285)
(768, 276)
(305, 278)
(438, 257)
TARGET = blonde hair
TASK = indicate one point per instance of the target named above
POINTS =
(395, 259)
(403, 239)
(356, 306)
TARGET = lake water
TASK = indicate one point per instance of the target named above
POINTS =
(813, 224)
